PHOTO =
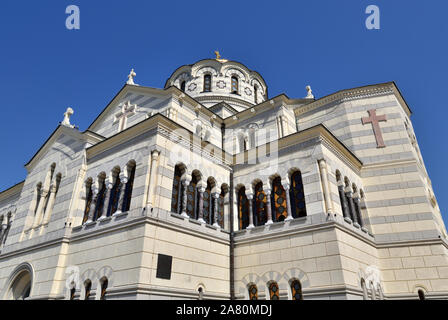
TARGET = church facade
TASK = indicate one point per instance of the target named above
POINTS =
(209, 189)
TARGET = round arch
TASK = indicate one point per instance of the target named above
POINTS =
(20, 283)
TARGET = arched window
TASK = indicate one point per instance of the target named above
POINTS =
(104, 284)
(253, 292)
(298, 205)
(100, 200)
(221, 208)
(89, 195)
(182, 86)
(200, 293)
(20, 287)
(208, 83)
(129, 187)
(364, 289)
(243, 208)
(296, 290)
(372, 291)
(209, 203)
(87, 289)
(348, 199)
(114, 193)
(356, 202)
(421, 294)
(72, 293)
(38, 195)
(176, 197)
(256, 94)
(274, 293)
(278, 201)
(260, 205)
(234, 85)
(192, 197)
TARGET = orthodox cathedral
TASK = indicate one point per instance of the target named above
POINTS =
(211, 189)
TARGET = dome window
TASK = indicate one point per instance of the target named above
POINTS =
(207, 83)
(182, 86)
(234, 85)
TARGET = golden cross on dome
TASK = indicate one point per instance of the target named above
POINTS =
(218, 56)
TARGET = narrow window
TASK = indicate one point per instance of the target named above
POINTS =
(104, 285)
(296, 290)
(115, 195)
(100, 201)
(364, 289)
(421, 295)
(243, 208)
(72, 293)
(207, 83)
(297, 193)
(129, 187)
(256, 94)
(192, 196)
(278, 200)
(88, 288)
(260, 205)
(208, 205)
(274, 291)
(221, 209)
(182, 86)
(234, 85)
(176, 194)
(253, 292)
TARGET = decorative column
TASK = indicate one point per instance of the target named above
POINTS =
(185, 184)
(121, 192)
(326, 188)
(215, 197)
(268, 191)
(40, 209)
(50, 204)
(93, 205)
(154, 158)
(201, 191)
(250, 198)
(349, 195)
(287, 186)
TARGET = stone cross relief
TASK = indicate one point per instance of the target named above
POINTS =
(374, 119)
(127, 110)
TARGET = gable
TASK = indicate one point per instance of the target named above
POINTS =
(144, 101)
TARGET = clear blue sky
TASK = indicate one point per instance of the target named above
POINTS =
(44, 68)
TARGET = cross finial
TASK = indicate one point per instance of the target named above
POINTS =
(218, 56)
(131, 76)
(67, 115)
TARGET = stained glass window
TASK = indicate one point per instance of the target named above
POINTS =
(274, 291)
(296, 290)
(243, 209)
(298, 205)
(253, 292)
(260, 205)
(278, 200)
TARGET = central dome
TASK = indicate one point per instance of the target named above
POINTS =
(213, 81)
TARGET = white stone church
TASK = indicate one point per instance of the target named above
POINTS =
(211, 189)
